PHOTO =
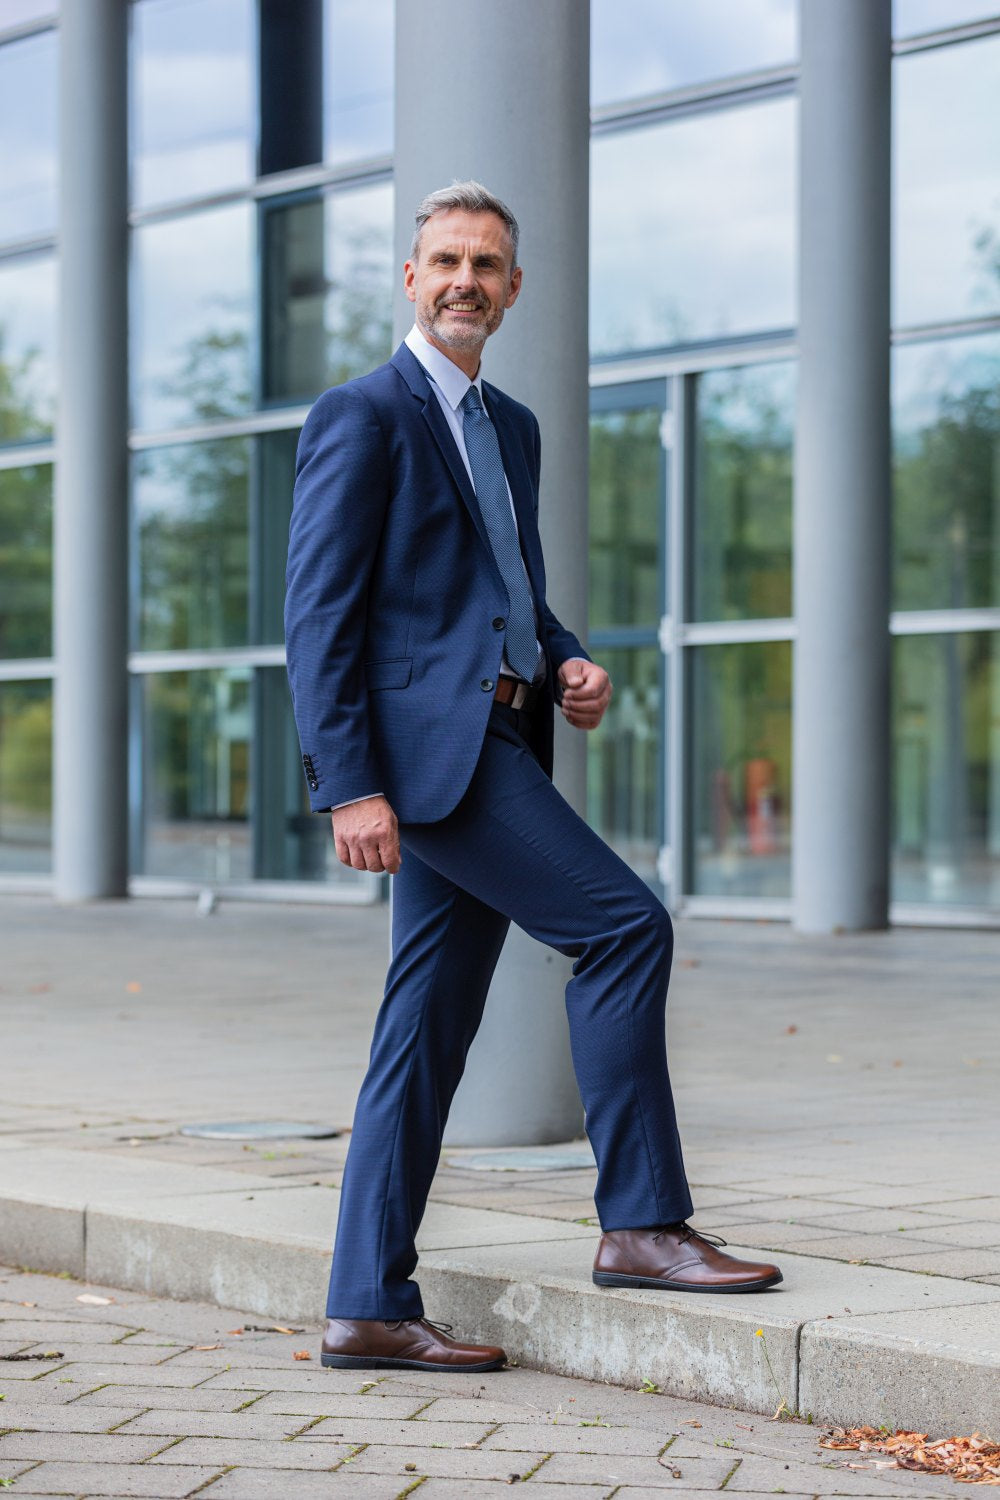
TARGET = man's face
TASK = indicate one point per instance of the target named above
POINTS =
(462, 280)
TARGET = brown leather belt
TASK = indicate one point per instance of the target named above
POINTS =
(516, 693)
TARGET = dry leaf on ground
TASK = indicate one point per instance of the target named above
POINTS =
(970, 1460)
(94, 1301)
(302, 1354)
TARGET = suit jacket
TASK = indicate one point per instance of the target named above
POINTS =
(395, 611)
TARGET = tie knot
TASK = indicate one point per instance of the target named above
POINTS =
(470, 402)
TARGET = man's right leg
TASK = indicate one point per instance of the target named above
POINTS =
(446, 944)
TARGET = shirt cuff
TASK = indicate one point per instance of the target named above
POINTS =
(356, 799)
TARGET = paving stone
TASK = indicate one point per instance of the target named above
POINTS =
(258, 1484)
(492, 1409)
(88, 1373)
(344, 1404)
(58, 1331)
(22, 1416)
(259, 1453)
(567, 1437)
(448, 1463)
(460, 1489)
(163, 1398)
(118, 1480)
(829, 1474)
(120, 1354)
(241, 1424)
(939, 1262)
(872, 1247)
(417, 1434)
(298, 1378)
(93, 1447)
(629, 1467)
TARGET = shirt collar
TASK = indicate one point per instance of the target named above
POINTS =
(449, 379)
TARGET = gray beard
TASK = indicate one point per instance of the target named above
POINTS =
(458, 337)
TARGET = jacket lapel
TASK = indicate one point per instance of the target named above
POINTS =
(410, 368)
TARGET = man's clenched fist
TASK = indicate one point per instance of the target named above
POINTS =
(366, 834)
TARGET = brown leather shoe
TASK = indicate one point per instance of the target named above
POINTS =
(403, 1344)
(676, 1258)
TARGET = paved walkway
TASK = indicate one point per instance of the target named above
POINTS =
(128, 1396)
(837, 1100)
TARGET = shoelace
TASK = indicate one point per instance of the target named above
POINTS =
(688, 1232)
(395, 1323)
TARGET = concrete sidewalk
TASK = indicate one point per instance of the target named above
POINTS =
(838, 1101)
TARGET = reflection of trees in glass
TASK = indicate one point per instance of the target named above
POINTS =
(197, 734)
(743, 495)
(360, 306)
(25, 758)
(26, 561)
(192, 531)
(21, 415)
(946, 505)
(741, 702)
(327, 295)
(211, 377)
(626, 496)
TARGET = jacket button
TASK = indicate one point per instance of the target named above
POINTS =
(314, 785)
(499, 622)
(487, 684)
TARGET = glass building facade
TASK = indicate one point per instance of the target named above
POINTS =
(261, 271)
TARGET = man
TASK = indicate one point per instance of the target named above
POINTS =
(425, 665)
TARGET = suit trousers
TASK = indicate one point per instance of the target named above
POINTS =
(511, 850)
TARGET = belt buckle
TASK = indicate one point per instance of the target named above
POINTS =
(521, 695)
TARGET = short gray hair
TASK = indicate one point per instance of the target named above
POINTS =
(474, 199)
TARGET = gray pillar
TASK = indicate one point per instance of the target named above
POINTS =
(91, 766)
(501, 93)
(842, 471)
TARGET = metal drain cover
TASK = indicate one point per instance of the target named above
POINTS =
(260, 1130)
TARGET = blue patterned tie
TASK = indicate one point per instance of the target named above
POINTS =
(494, 502)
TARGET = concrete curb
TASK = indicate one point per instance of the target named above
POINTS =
(847, 1344)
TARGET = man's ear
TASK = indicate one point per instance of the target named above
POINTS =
(514, 288)
(409, 280)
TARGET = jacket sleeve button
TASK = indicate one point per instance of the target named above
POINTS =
(487, 684)
(499, 622)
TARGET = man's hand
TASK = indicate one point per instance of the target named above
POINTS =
(367, 835)
(586, 692)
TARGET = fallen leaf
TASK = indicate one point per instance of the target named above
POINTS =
(302, 1354)
(92, 1300)
(690, 1422)
(29, 1304)
(134, 987)
(235, 1331)
(791, 1030)
(202, 1348)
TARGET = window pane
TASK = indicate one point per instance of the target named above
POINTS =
(221, 794)
(946, 232)
(627, 488)
(648, 46)
(28, 136)
(358, 108)
(910, 17)
(193, 105)
(625, 759)
(270, 513)
(740, 757)
(26, 777)
(192, 315)
(946, 846)
(742, 503)
(693, 228)
(190, 507)
(27, 347)
(195, 793)
(26, 562)
(328, 279)
(946, 500)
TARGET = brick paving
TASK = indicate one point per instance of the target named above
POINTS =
(210, 1411)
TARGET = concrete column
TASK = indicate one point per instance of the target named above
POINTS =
(500, 93)
(91, 510)
(841, 804)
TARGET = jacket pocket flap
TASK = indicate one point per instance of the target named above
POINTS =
(393, 673)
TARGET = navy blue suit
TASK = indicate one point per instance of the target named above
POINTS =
(395, 617)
